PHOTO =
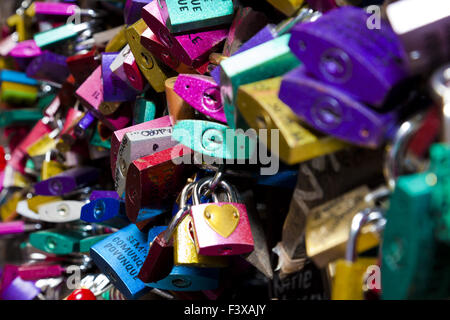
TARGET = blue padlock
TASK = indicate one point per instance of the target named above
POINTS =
(120, 257)
(185, 278)
(17, 77)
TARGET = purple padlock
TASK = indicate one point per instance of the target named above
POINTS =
(85, 122)
(334, 112)
(133, 9)
(49, 66)
(114, 88)
(339, 49)
(67, 181)
(99, 194)
(202, 93)
(192, 49)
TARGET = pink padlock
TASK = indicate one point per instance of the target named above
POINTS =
(91, 92)
(202, 93)
(54, 9)
(133, 73)
(192, 49)
(12, 227)
(25, 49)
(118, 135)
(220, 228)
(40, 271)
(6, 45)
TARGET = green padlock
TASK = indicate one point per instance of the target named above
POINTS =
(18, 116)
(268, 60)
(56, 35)
(97, 141)
(57, 241)
(144, 111)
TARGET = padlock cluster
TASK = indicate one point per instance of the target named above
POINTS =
(212, 150)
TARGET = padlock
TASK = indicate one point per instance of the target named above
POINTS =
(333, 112)
(99, 194)
(36, 201)
(120, 256)
(214, 140)
(138, 144)
(423, 34)
(185, 252)
(331, 48)
(7, 44)
(118, 135)
(275, 58)
(119, 119)
(40, 271)
(59, 34)
(192, 49)
(150, 68)
(51, 168)
(44, 144)
(87, 243)
(25, 50)
(351, 273)
(288, 7)
(178, 108)
(102, 209)
(82, 125)
(262, 109)
(20, 22)
(117, 66)
(184, 16)
(114, 89)
(81, 66)
(153, 181)
(201, 93)
(17, 77)
(67, 181)
(17, 93)
(97, 141)
(23, 210)
(90, 92)
(57, 241)
(132, 10)
(144, 110)
(133, 73)
(46, 10)
(222, 229)
(60, 211)
(14, 117)
(15, 227)
(117, 42)
(8, 209)
(328, 225)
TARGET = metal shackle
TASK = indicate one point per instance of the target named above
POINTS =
(204, 182)
(361, 219)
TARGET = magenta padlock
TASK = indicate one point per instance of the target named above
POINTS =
(133, 73)
(67, 181)
(49, 66)
(114, 89)
(133, 9)
(118, 135)
(220, 229)
(333, 112)
(25, 49)
(339, 49)
(192, 49)
(40, 271)
(202, 93)
(54, 9)
(12, 227)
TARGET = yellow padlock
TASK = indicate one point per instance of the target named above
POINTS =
(328, 226)
(155, 74)
(117, 42)
(8, 209)
(288, 7)
(17, 92)
(260, 106)
(21, 23)
(185, 252)
(43, 145)
(351, 273)
(36, 201)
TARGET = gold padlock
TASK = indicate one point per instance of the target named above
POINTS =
(117, 42)
(328, 226)
(178, 108)
(8, 209)
(51, 168)
(155, 74)
(43, 145)
(21, 23)
(36, 201)
(185, 252)
(260, 106)
(288, 7)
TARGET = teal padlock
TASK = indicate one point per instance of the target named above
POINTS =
(18, 116)
(214, 139)
(268, 60)
(185, 278)
(57, 35)
(97, 141)
(189, 15)
(57, 241)
(144, 110)
(409, 252)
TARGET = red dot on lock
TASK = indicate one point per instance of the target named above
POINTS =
(82, 294)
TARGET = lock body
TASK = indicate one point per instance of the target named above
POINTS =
(178, 108)
(60, 211)
(262, 109)
(59, 242)
(184, 16)
(132, 10)
(333, 112)
(288, 7)
(114, 88)
(222, 229)
(120, 257)
(144, 110)
(102, 209)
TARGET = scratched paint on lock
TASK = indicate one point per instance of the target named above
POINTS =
(120, 256)
(185, 15)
